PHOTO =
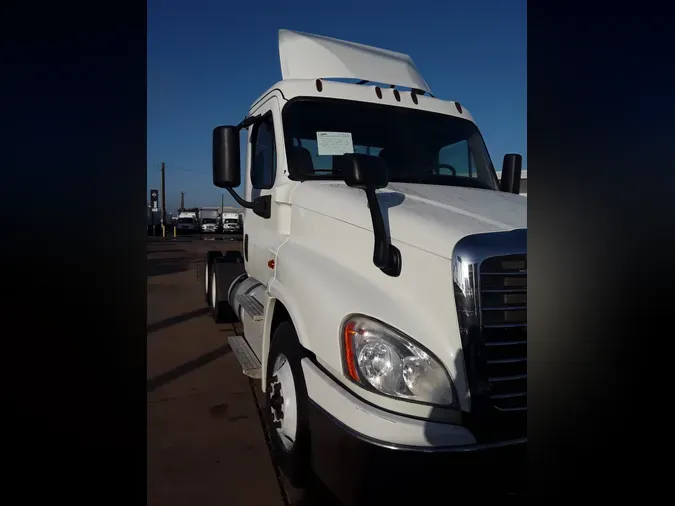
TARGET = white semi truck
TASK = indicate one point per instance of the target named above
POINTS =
(231, 222)
(187, 222)
(208, 220)
(382, 285)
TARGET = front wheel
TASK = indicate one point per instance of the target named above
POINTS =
(286, 406)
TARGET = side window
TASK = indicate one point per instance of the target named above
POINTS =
(459, 156)
(264, 161)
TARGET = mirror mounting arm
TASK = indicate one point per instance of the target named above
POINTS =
(368, 173)
(248, 121)
(243, 203)
(262, 206)
(386, 256)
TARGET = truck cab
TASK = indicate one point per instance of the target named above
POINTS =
(382, 285)
(231, 223)
(187, 222)
(208, 220)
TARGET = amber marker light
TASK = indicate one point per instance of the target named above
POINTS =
(350, 359)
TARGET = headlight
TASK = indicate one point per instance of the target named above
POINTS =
(382, 359)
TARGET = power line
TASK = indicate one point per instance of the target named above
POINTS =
(190, 170)
(158, 168)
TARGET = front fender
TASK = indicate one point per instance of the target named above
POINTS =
(321, 278)
(319, 293)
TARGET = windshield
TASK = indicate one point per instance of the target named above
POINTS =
(185, 220)
(231, 220)
(418, 146)
(209, 220)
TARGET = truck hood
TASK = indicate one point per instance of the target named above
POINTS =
(429, 217)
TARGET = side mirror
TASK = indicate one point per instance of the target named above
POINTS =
(511, 168)
(364, 171)
(369, 173)
(226, 161)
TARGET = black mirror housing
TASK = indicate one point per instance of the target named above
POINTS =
(511, 169)
(364, 171)
(226, 157)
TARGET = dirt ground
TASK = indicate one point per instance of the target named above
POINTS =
(206, 445)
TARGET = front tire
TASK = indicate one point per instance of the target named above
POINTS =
(287, 406)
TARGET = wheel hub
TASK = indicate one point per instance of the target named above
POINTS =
(283, 403)
(277, 401)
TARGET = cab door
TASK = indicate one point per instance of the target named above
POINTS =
(262, 158)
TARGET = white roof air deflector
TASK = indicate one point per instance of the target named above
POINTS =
(306, 56)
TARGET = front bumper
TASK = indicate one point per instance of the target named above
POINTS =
(371, 458)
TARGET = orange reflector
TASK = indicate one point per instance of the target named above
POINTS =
(349, 351)
(270, 264)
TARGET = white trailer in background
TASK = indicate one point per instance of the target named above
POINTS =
(187, 222)
(209, 220)
(382, 283)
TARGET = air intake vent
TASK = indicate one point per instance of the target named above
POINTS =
(503, 309)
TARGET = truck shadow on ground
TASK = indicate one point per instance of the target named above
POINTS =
(186, 368)
(316, 494)
(153, 251)
(163, 266)
(175, 320)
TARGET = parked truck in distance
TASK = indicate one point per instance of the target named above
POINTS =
(209, 220)
(187, 222)
(231, 222)
(382, 283)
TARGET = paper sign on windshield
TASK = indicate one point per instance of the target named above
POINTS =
(334, 143)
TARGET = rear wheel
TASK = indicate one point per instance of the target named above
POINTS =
(207, 280)
(216, 310)
(220, 306)
(213, 290)
(286, 406)
(208, 268)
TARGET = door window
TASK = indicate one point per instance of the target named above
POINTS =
(264, 160)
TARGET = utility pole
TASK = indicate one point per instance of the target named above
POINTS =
(163, 197)
(182, 200)
(222, 202)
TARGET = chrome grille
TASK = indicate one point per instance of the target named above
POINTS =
(503, 313)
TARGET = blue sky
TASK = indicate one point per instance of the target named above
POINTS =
(209, 59)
